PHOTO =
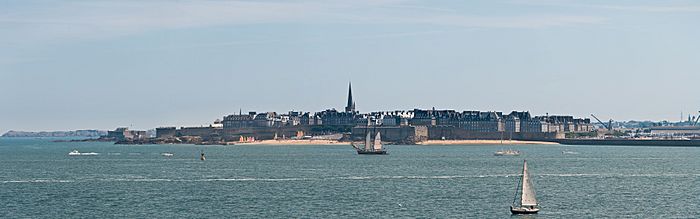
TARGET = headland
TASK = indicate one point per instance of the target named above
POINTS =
(406, 127)
(484, 142)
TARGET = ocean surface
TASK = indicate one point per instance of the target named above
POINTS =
(39, 180)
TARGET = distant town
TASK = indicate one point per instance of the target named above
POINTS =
(76, 133)
(398, 126)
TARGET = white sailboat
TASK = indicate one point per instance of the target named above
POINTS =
(526, 203)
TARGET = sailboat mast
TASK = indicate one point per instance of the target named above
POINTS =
(517, 188)
(523, 179)
(374, 129)
(368, 142)
(368, 139)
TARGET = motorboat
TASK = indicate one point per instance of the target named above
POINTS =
(508, 152)
(569, 152)
(78, 153)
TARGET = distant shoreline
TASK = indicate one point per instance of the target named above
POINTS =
(483, 142)
(92, 133)
(293, 142)
(428, 142)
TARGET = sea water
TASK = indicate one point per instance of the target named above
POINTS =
(39, 179)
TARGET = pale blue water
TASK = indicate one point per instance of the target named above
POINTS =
(38, 179)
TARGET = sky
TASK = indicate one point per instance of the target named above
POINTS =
(68, 65)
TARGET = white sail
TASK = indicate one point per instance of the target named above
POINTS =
(368, 142)
(378, 142)
(528, 196)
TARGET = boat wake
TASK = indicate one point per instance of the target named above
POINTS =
(38, 181)
(78, 153)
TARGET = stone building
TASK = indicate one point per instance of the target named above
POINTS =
(332, 117)
(481, 121)
(512, 124)
(469, 120)
(426, 117)
(267, 119)
(239, 121)
(123, 133)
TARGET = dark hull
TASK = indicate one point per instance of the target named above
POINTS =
(371, 152)
(520, 211)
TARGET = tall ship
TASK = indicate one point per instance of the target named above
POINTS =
(525, 201)
(369, 146)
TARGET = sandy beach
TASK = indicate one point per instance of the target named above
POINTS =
(480, 142)
(294, 142)
(429, 142)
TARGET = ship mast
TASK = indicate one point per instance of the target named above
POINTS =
(368, 139)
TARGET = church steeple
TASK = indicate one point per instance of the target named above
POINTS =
(351, 104)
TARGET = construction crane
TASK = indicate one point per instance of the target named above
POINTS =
(696, 120)
(608, 126)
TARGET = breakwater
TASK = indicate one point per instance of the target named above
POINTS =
(630, 142)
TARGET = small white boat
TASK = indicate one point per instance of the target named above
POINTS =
(508, 152)
(569, 152)
(166, 154)
(78, 153)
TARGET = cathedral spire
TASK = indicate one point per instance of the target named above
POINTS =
(351, 104)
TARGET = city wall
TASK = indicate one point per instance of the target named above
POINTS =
(398, 134)
(452, 133)
(631, 142)
(210, 133)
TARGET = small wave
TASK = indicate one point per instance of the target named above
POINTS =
(386, 177)
(135, 180)
(619, 175)
(570, 174)
(38, 181)
(84, 154)
(416, 177)
(257, 179)
(251, 179)
(348, 178)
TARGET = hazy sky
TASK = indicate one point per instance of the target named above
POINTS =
(102, 64)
